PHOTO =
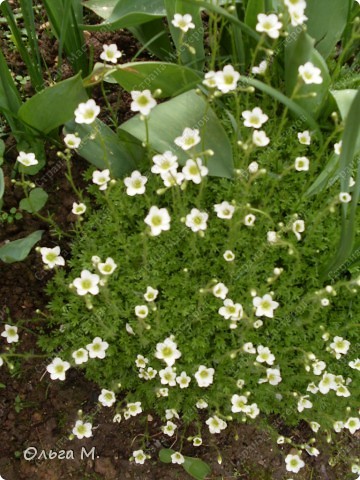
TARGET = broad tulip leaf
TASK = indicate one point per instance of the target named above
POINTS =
(53, 106)
(254, 7)
(105, 149)
(18, 250)
(344, 99)
(36, 201)
(168, 120)
(172, 79)
(102, 8)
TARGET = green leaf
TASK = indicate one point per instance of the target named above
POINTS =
(165, 455)
(154, 38)
(298, 52)
(102, 8)
(54, 106)
(105, 149)
(191, 111)
(344, 99)
(2, 151)
(2, 186)
(18, 250)
(36, 201)
(254, 7)
(193, 466)
(327, 20)
(172, 79)
(129, 14)
(324, 178)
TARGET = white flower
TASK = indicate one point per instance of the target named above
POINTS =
(158, 220)
(87, 112)
(188, 139)
(139, 456)
(51, 257)
(143, 102)
(310, 74)
(273, 376)
(344, 197)
(196, 220)
(220, 290)
(171, 413)
(10, 334)
(172, 178)
(97, 349)
(352, 424)
(201, 404)
(210, 79)
(224, 210)
(302, 164)
(167, 162)
(253, 167)
(129, 329)
(162, 392)
(337, 147)
(338, 426)
(272, 237)
(134, 409)
(264, 355)
(108, 267)
(240, 383)
(1, 362)
(87, 283)
(27, 159)
(304, 137)
(254, 118)
(107, 398)
(72, 141)
(298, 227)
(229, 256)
(183, 380)
(57, 369)
(216, 424)
(265, 306)
(226, 79)
(342, 391)
(304, 403)
(327, 383)
(167, 351)
(110, 53)
(168, 376)
(151, 294)
(355, 364)
(298, 4)
(238, 403)
(184, 22)
(318, 366)
(297, 17)
(258, 324)
(314, 426)
(249, 220)
(197, 441)
(169, 428)
(141, 361)
(78, 208)
(80, 356)
(135, 184)
(194, 170)
(269, 24)
(82, 430)
(252, 410)
(204, 376)
(339, 345)
(248, 347)
(260, 139)
(101, 178)
(231, 310)
(261, 69)
(141, 311)
(294, 463)
(177, 458)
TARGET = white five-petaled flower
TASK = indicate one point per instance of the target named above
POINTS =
(297, 17)
(265, 306)
(273, 376)
(344, 197)
(110, 53)
(167, 162)
(27, 159)
(249, 220)
(304, 403)
(172, 178)
(352, 424)
(260, 139)
(327, 383)
(169, 428)
(310, 74)
(355, 364)
(220, 290)
(87, 283)
(264, 355)
(158, 220)
(139, 456)
(196, 220)
(216, 424)
(80, 356)
(269, 24)
(227, 79)
(135, 183)
(204, 376)
(78, 208)
(141, 311)
(143, 102)
(254, 118)
(177, 457)
(72, 141)
(51, 257)
(231, 311)
(97, 349)
(133, 409)
(229, 256)
(224, 210)
(188, 139)
(304, 137)
(57, 369)
(238, 403)
(108, 267)
(294, 463)
(82, 430)
(168, 376)
(210, 79)
(184, 22)
(261, 69)
(298, 227)
(302, 164)
(151, 294)
(167, 351)
(340, 346)
(107, 397)
(183, 380)
(87, 112)
(10, 334)
(194, 170)
(101, 178)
